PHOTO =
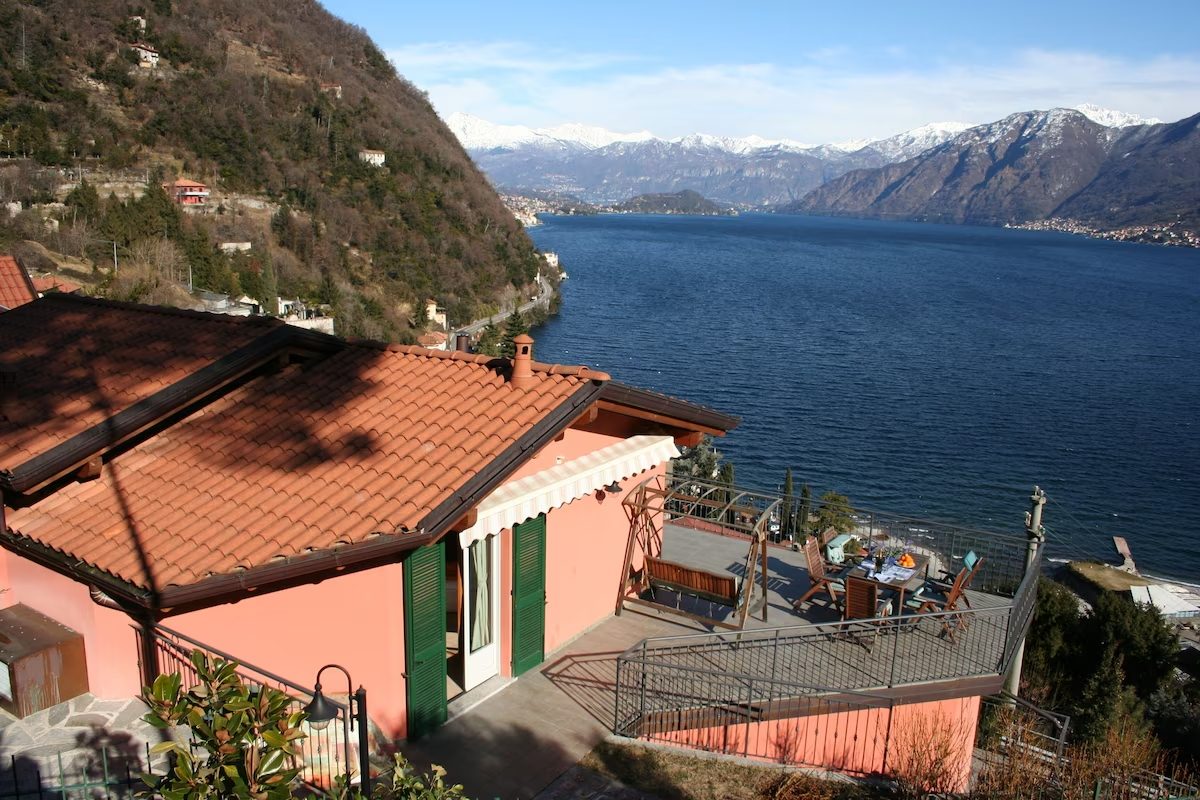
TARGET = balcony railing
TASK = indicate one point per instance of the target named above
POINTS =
(325, 753)
(678, 688)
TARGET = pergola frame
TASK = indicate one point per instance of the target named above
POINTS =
(701, 504)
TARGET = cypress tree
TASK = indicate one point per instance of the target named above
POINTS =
(788, 522)
(805, 508)
(727, 478)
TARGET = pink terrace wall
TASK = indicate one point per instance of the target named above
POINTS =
(863, 742)
(354, 620)
(108, 640)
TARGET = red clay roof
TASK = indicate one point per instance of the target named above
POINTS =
(15, 287)
(76, 362)
(53, 283)
(368, 441)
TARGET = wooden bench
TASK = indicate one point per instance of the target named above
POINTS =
(701, 583)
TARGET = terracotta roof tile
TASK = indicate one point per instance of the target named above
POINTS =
(79, 361)
(53, 283)
(16, 289)
(369, 440)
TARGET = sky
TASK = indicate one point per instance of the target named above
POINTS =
(797, 70)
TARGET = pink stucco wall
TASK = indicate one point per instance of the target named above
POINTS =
(861, 742)
(108, 639)
(585, 550)
(575, 443)
(354, 620)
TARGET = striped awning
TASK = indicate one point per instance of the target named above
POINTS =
(562, 483)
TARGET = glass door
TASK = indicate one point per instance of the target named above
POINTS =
(481, 617)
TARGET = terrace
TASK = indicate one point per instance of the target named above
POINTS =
(780, 661)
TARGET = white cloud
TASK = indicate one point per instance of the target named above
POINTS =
(827, 97)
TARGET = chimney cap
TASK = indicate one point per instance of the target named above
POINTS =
(523, 338)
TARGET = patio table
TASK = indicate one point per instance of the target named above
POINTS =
(893, 576)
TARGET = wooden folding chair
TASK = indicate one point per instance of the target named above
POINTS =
(820, 575)
(866, 600)
(934, 601)
(971, 565)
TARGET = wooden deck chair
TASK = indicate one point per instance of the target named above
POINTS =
(933, 601)
(866, 600)
(820, 575)
(971, 565)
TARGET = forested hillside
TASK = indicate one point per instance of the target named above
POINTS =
(269, 104)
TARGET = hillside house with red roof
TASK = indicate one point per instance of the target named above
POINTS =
(258, 487)
(16, 287)
(147, 55)
(186, 192)
(436, 521)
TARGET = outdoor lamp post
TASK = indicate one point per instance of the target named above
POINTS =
(321, 711)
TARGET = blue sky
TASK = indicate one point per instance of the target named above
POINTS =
(804, 71)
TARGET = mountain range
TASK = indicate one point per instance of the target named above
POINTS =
(1033, 165)
(1101, 167)
(602, 166)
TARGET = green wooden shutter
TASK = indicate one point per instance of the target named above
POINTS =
(425, 638)
(529, 594)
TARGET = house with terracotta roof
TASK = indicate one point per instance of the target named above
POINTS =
(439, 521)
(147, 55)
(186, 192)
(434, 340)
(16, 287)
(286, 496)
(53, 283)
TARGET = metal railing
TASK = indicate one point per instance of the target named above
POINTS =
(730, 510)
(680, 687)
(1016, 736)
(325, 753)
(727, 712)
(86, 772)
(1006, 721)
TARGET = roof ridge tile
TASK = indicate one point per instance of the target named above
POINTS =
(566, 370)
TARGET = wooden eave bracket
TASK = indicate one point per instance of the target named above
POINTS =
(671, 422)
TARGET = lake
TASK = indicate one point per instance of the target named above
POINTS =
(935, 370)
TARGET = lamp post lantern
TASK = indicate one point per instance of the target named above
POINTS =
(321, 711)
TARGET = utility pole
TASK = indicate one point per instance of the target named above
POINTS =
(1035, 535)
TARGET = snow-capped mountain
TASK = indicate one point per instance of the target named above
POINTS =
(479, 134)
(599, 165)
(904, 146)
(1114, 119)
(1031, 166)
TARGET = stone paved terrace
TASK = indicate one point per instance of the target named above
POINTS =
(77, 737)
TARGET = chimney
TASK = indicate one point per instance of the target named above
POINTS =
(462, 342)
(522, 364)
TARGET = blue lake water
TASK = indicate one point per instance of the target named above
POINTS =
(935, 370)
